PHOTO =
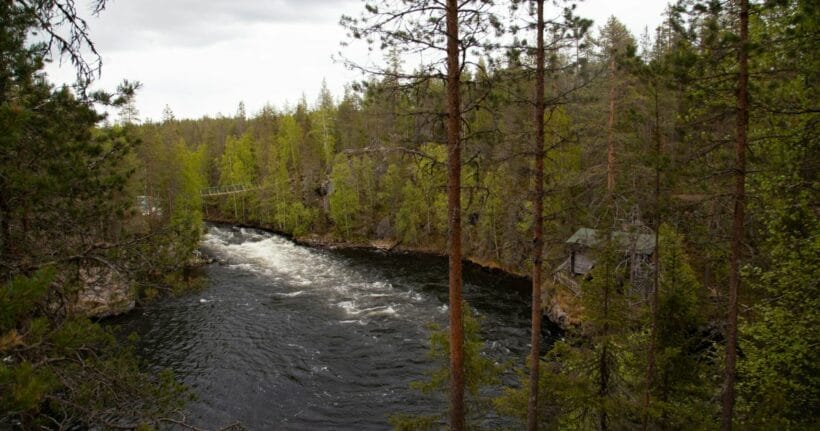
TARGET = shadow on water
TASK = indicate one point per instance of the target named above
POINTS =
(290, 337)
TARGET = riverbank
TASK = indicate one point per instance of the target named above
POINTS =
(559, 307)
(328, 241)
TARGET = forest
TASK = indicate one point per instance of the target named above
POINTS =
(532, 140)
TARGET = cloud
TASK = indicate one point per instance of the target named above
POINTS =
(203, 57)
(128, 24)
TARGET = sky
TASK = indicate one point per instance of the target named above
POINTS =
(202, 57)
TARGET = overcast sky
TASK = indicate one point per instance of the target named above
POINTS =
(202, 57)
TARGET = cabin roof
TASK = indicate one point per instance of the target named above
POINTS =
(641, 242)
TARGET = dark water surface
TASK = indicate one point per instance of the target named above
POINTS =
(286, 337)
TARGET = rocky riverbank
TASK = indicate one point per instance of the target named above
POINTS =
(105, 291)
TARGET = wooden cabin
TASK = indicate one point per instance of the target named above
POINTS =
(636, 249)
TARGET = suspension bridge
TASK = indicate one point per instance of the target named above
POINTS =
(229, 189)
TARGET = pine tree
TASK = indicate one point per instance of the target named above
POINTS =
(538, 222)
(64, 208)
(681, 386)
(407, 25)
(738, 230)
(778, 383)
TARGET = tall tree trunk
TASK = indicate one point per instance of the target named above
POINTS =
(538, 224)
(5, 211)
(737, 223)
(603, 363)
(603, 360)
(457, 410)
(610, 140)
(653, 303)
(6, 246)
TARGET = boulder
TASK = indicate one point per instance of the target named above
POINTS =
(103, 292)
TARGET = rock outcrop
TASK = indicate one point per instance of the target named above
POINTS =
(103, 292)
(562, 307)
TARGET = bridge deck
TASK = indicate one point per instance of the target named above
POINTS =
(227, 190)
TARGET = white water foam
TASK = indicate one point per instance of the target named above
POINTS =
(381, 311)
(349, 307)
(281, 260)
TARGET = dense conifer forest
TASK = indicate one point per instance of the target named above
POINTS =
(698, 137)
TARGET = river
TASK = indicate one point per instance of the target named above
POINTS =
(289, 337)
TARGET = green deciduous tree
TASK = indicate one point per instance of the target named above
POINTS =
(238, 164)
(187, 215)
(237, 167)
(344, 197)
